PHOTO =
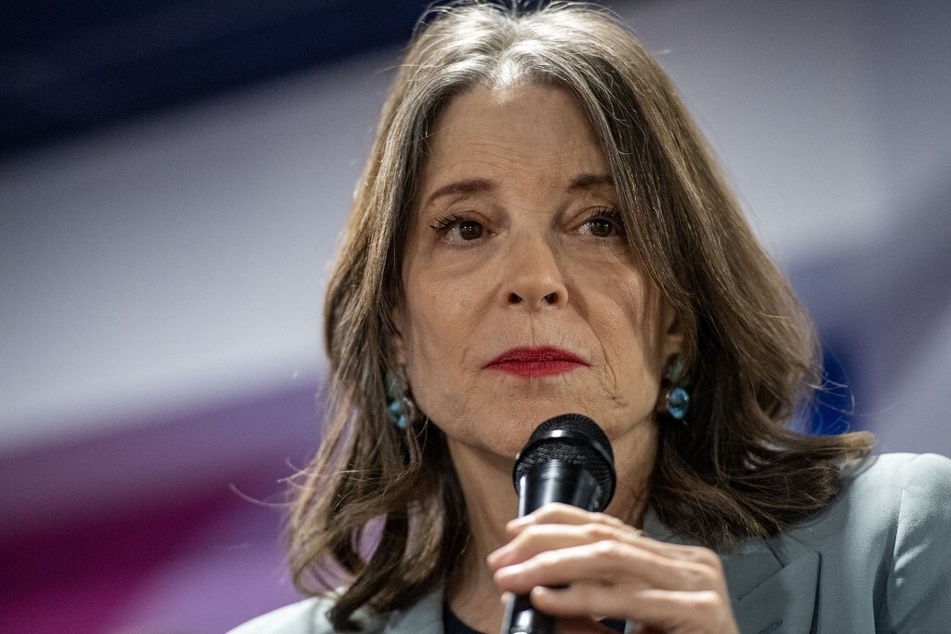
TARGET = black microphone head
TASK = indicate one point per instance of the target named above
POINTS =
(573, 439)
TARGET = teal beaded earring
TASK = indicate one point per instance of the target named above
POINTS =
(401, 409)
(674, 398)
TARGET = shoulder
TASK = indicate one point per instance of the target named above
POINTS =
(904, 466)
(892, 512)
(310, 617)
(304, 617)
(885, 493)
(914, 491)
(910, 485)
(885, 541)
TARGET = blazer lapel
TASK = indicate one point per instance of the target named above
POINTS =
(783, 601)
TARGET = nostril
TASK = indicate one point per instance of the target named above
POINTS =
(514, 299)
(551, 298)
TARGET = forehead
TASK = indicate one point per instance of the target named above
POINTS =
(513, 128)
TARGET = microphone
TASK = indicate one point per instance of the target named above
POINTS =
(567, 459)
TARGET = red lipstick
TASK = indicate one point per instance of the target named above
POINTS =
(536, 362)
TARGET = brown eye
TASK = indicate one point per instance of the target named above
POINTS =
(454, 229)
(470, 230)
(601, 227)
(606, 223)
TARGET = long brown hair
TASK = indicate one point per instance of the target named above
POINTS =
(731, 470)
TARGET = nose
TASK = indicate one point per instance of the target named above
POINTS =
(532, 276)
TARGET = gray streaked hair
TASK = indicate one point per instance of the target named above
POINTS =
(732, 471)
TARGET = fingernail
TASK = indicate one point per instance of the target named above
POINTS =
(500, 556)
(520, 522)
(507, 572)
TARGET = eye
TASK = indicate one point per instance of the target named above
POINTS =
(456, 229)
(469, 230)
(604, 223)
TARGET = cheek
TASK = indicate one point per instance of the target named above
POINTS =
(436, 360)
(438, 325)
(631, 332)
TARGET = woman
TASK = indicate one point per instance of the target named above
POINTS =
(540, 230)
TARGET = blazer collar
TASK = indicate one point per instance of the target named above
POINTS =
(424, 616)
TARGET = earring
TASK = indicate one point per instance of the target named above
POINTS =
(674, 398)
(401, 409)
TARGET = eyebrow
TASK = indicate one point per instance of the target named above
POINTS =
(483, 185)
(468, 186)
(590, 181)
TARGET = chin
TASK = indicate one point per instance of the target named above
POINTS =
(502, 440)
(514, 429)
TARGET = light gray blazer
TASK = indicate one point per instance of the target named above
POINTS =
(877, 560)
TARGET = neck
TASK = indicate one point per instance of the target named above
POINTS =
(472, 593)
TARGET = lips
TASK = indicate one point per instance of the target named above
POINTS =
(536, 362)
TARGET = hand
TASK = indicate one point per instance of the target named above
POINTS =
(574, 563)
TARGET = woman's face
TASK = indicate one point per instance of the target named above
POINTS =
(522, 300)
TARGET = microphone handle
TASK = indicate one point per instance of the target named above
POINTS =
(552, 481)
(522, 618)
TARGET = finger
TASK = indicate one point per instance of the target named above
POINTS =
(558, 513)
(564, 514)
(540, 537)
(668, 610)
(544, 537)
(570, 624)
(578, 599)
(610, 563)
(582, 625)
(652, 609)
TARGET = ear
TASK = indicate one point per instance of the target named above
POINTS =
(396, 342)
(673, 331)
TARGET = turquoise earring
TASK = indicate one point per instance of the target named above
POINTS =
(401, 410)
(674, 398)
(676, 402)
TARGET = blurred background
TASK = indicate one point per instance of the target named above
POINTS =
(173, 178)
